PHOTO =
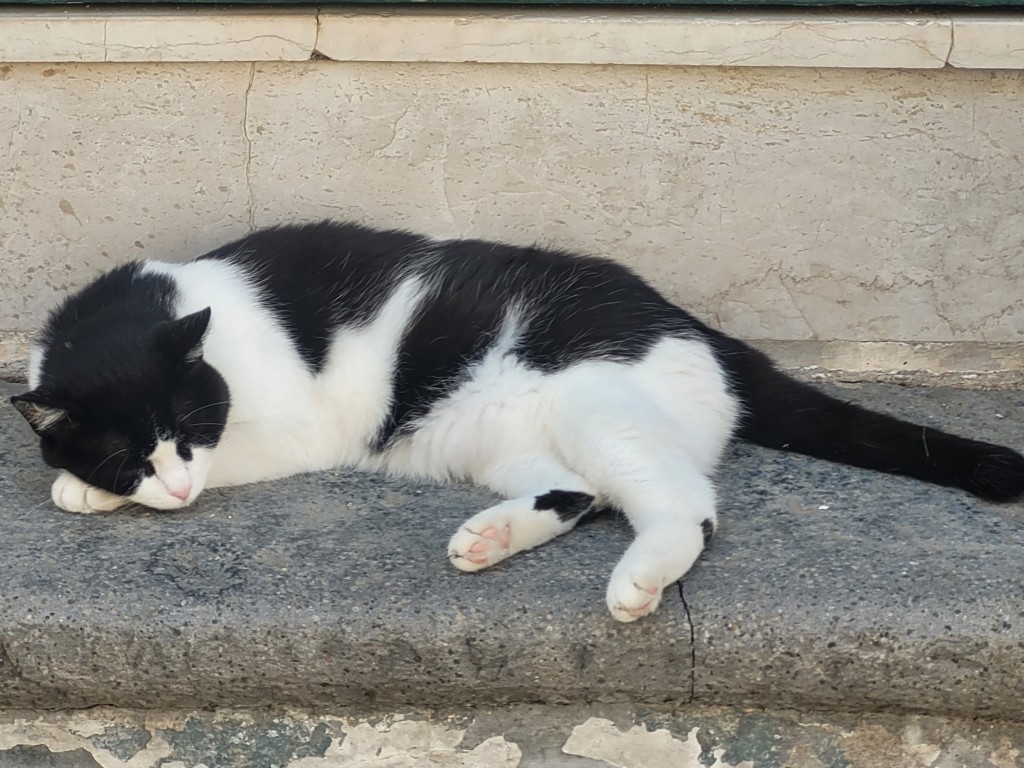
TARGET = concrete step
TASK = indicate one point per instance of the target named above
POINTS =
(826, 588)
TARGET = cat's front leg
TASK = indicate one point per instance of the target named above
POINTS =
(524, 522)
(487, 537)
(513, 526)
(72, 495)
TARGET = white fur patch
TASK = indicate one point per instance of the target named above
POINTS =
(645, 436)
(72, 495)
(35, 365)
(176, 482)
(283, 419)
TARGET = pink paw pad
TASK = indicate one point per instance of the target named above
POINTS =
(494, 536)
(491, 539)
(473, 547)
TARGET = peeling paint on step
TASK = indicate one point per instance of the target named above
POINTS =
(59, 740)
(638, 747)
(518, 736)
(409, 744)
(73, 742)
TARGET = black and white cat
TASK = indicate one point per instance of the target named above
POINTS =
(563, 383)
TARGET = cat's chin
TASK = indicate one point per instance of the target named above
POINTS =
(155, 496)
(176, 483)
(163, 505)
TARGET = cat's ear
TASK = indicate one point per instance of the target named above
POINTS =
(41, 414)
(182, 339)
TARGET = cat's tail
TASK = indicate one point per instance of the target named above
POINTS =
(782, 413)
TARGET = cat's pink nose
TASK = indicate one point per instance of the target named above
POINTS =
(181, 492)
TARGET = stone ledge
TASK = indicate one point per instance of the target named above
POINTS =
(157, 34)
(655, 36)
(676, 37)
(826, 588)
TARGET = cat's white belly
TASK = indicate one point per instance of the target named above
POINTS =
(501, 412)
(507, 410)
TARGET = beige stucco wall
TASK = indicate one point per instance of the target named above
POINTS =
(779, 204)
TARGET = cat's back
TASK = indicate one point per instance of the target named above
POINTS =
(328, 262)
(316, 278)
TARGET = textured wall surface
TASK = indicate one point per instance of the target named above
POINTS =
(779, 204)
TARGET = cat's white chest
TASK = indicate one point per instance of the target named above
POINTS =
(285, 418)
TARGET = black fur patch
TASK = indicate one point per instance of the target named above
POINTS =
(780, 412)
(572, 308)
(122, 370)
(316, 278)
(568, 505)
(97, 329)
(708, 529)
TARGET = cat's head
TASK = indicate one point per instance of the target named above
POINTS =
(136, 413)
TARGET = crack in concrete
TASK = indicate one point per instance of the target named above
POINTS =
(248, 148)
(445, 180)
(693, 644)
(8, 668)
(799, 310)
(647, 101)
(15, 133)
(315, 53)
(952, 42)
(199, 43)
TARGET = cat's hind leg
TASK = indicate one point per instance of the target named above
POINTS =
(548, 501)
(643, 461)
(666, 546)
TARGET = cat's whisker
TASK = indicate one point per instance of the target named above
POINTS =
(98, 466)
(117, 475)
(204, 407)
(40, 505)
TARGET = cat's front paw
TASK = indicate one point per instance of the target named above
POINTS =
(633, 594)
(72, 495)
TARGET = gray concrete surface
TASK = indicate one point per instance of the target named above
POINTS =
(826, 588)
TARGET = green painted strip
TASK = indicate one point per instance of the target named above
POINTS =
(934, 4)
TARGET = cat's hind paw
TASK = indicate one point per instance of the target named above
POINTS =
(72, 495)
(632, 595)
(473, 550)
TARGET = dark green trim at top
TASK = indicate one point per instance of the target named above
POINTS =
(932, 5)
